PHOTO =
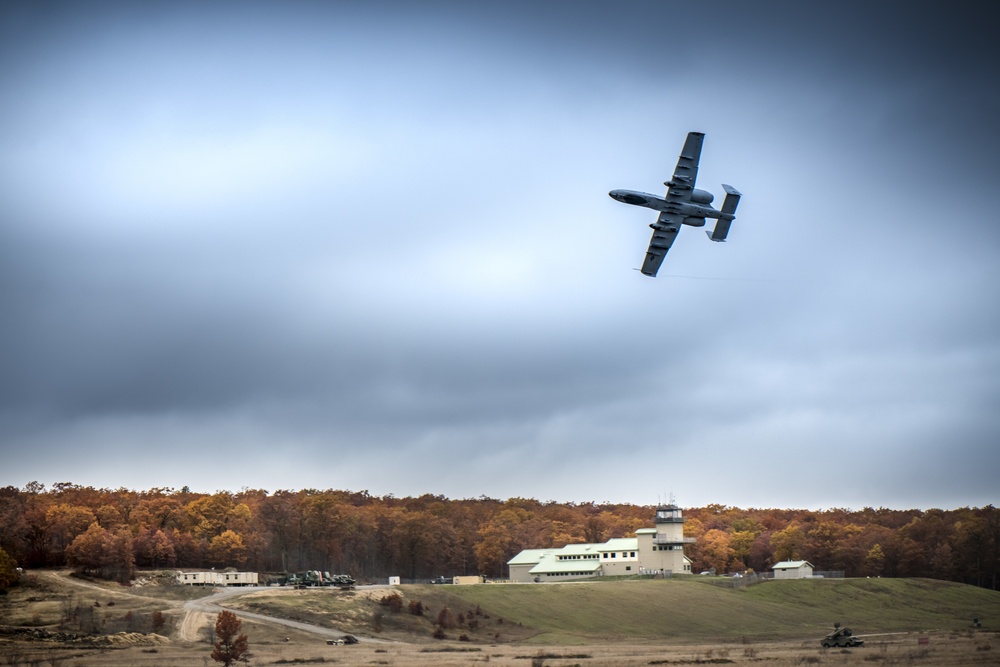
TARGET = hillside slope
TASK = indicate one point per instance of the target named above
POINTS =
(690, 610)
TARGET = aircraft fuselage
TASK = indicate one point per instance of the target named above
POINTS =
(689, 209)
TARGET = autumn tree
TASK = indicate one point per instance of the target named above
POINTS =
(497, 543)
(693, 528)
(716, 552)
(109, 516)
(122, 560)
(323, 520)
(414, 536)
(822, 542)
(103, 553)
(64, 523)
(741, 542)
(158, 512)
(8, 571)
(232, 646)
(90, 552)
(154, 549)
(593, 529)
(281, 516)
(977, 541)
(788, 544)
(565, 532)
(875, 559)
(227, 549)
(761, 558)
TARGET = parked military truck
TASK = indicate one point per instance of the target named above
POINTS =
(841, 637)
(341, 581)
(311, 578)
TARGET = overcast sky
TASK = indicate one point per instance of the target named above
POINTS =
(370, 246)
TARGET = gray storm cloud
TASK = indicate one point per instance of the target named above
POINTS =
(304, 233)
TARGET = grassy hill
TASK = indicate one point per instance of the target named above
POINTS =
(693, 610)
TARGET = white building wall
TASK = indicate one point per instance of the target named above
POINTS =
(802, 572)
(522, 573)
(217, 578)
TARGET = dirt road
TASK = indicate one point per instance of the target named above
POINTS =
(202, 612)
(62, 577)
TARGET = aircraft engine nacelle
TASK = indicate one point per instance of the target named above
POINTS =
(701, 197)
(694, 222)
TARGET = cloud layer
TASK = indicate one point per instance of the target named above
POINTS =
(371, 248)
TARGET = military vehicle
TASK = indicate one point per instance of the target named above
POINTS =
(311, 578)
(341, 581)
(841, 637)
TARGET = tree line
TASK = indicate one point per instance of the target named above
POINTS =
(111, 532)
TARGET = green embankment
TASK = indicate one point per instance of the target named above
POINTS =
(683, 610)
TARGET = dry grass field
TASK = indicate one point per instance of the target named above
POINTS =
(270, 649)
(94, 624)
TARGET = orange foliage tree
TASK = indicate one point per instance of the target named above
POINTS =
(106, 531)
(232, 646)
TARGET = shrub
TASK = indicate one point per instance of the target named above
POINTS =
(393, 601)
(445, 619)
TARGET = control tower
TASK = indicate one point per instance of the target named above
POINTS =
(661, 549)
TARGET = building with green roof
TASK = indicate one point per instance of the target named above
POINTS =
(658, 551)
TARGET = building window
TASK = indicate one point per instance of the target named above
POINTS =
(628, 567)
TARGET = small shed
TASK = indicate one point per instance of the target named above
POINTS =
(793, 569)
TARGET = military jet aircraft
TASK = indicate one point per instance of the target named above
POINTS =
(684, 204)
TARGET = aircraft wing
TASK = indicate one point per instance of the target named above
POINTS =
(686, 171)
(664, 232)
(678, 190)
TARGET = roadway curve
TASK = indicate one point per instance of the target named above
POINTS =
(200, 612)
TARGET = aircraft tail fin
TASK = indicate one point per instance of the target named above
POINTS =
(729, 208)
